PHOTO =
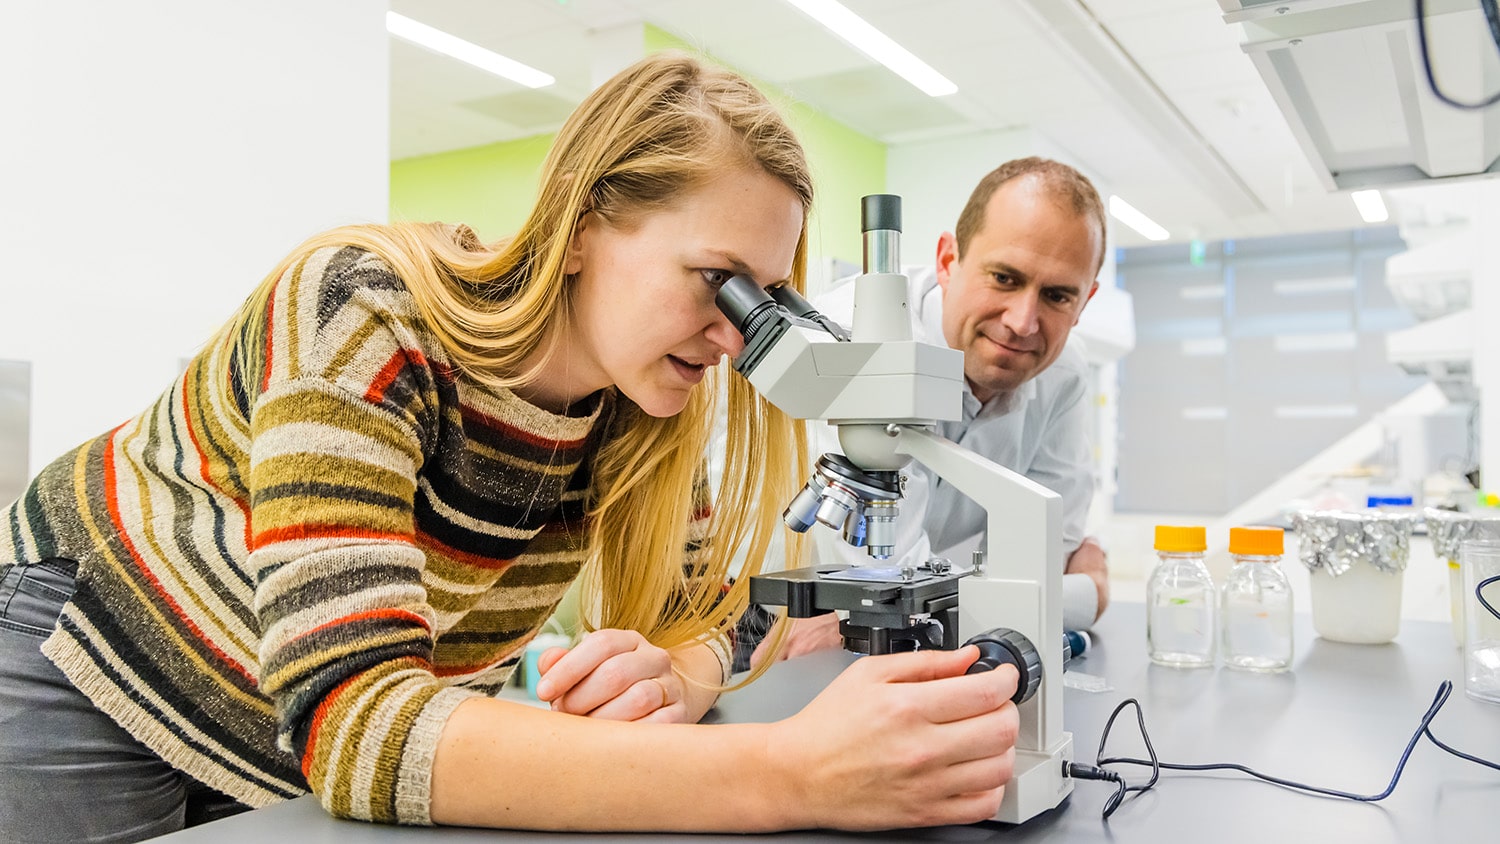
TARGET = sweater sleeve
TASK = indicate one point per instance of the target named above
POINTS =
(337, 433)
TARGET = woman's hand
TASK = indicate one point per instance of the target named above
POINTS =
(905, 740)
(616, 675)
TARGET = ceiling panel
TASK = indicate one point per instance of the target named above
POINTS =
(1011, 69)
(1199, 69)
(1190, 30)
(866, 100)
(1111, 10)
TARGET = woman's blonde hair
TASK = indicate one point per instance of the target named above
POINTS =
(660, 128)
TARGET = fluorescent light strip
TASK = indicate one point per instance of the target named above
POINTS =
(1204, 347)
(1202, 291)
(877, 45)
(1338, 341)
(1371, 206)
(1317, 411)
(439, 41)
(1307, 286)
(1143, 225)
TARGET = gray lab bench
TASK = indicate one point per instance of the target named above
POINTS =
(1339, 720)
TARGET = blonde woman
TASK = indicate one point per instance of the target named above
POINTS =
(308, 565)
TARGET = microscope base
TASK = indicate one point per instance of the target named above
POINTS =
(1039, 783)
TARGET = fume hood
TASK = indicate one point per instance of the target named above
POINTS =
(1348, 76)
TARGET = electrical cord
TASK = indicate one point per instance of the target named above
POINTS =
(1479, 593)
(1492, 16)
(1097, 771)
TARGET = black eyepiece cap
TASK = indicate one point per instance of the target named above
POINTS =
(740, 298)
(880, 211)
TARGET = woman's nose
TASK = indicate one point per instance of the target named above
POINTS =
(722, 333)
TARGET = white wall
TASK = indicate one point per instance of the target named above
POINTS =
(157, 159)
(934, 179)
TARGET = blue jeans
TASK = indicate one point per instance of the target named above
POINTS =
(68, 772)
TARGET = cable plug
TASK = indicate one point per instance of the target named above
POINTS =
(1078, 770)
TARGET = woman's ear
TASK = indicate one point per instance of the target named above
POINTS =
(576, 246)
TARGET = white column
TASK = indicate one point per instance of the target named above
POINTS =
(158, 159)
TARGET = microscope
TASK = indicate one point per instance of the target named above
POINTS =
(885, 392)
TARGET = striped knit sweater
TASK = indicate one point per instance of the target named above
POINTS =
(315, 545)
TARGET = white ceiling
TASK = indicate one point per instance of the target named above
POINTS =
(1154, 97)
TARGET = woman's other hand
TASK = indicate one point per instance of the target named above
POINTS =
(615, 675)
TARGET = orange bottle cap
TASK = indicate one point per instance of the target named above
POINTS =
(1257, 541)
(1181, 539)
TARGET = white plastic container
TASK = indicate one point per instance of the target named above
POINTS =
(1362, 606)
(1355, 566)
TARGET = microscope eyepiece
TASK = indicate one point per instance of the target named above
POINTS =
(739, 298)
(788, 297)
(747, 306)
(880, 211)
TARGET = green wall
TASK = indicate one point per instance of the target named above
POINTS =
(492, 187)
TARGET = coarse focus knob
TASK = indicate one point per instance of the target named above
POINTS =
(1003, 646)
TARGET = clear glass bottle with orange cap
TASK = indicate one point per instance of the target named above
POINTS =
(1255, 605)
(1180, 601)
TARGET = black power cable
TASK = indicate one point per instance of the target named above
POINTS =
(1492, 16)
(1097, 771)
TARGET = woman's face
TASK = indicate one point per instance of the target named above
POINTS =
(643, 313)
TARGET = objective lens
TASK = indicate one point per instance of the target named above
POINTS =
(854, 530)
(833, 512)
(802, 513)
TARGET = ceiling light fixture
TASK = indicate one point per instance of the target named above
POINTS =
(877, 45)
(1371, 206)
(1143, 225)
(452, 46)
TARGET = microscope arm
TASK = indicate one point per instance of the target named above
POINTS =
(1020, 588)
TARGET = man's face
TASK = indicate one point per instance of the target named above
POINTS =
(1011, 299)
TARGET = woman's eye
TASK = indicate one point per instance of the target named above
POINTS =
(716, 278)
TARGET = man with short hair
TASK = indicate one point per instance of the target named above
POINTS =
(1008, 287)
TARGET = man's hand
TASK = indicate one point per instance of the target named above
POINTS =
(1091, 560)
(806, 635)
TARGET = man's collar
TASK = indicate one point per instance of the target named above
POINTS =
(1000, 403)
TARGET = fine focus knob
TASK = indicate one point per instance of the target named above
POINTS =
(1003, 646)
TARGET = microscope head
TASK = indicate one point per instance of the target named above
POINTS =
(864, 381)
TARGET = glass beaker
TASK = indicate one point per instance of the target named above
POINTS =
(1480, 561)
